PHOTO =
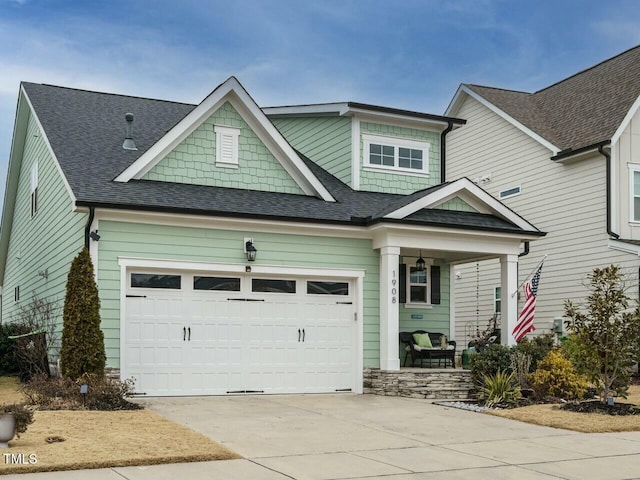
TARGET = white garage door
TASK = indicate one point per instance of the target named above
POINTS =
(217, 334)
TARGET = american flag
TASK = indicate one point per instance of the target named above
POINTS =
(525, 321)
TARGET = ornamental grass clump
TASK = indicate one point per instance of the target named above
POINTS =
(557, 377)
(499, 389)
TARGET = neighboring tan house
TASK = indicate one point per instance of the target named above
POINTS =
(567, 158)
(173, 203)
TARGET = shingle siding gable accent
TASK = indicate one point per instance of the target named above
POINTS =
(47, 241)
(456, 204)
(327, 140)
(193, 161)
(390, 182)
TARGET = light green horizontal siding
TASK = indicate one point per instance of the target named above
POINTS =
(325, 140)
(456, 204)
(208, 245)
(389, 182)
(47, 241)
(193, 161)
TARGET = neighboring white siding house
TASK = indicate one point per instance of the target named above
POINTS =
(568, 201)
(551, 153)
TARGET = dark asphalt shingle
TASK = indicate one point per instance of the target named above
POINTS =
(86, 131)
(579, 111)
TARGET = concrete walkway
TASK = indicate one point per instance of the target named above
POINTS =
(322, 437)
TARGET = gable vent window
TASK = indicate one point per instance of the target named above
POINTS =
(510, 192)
(34, 189)
(398, 154)
(227, 146)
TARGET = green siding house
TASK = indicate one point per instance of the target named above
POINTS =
(245, 249)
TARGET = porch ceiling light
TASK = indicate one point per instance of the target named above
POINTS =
(251, 251)
(420, 264)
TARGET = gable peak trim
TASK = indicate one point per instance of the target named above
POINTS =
(472, 194)
(232, 91)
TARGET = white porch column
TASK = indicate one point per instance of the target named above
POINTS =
(389, 308)
(509, 295)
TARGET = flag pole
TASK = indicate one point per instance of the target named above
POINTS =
(529, 276)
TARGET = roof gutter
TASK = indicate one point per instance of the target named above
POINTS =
(607, 157)
(443, 151)
(87, 228)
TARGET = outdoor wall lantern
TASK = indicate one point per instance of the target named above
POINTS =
(420, 264)
(250, 250)
(94, 236)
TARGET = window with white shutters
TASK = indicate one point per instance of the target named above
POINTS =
(227, 146)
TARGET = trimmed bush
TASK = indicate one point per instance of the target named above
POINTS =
(8, 358)
(488, 362)
(537, 347)
(556, 377)
(82, 339)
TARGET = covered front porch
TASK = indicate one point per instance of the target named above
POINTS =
(417, 283)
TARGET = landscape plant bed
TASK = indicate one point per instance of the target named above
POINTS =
(595, 406)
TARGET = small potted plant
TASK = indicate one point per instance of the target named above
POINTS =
(14, 420)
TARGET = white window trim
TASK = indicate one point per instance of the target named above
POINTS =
(633, 168)
(396, 143)
(235, 133)
(411, 262)
(497, 311)
(33, 192)
(519, 192)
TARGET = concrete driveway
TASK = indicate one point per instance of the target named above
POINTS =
(364, 436)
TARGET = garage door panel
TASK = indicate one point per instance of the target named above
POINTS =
(238, 345)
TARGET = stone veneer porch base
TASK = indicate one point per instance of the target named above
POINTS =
(429, 383)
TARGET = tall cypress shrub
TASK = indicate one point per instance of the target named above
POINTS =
(82, 339)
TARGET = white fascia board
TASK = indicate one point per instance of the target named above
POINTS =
(510, 119)
(49, 148)
(307, 181)
(624, 247)
(625, 122)
(399, 119)
(228, 223)
(317, 109)
(23, 108)
(161, 263)
(456, 101)
(470, 190)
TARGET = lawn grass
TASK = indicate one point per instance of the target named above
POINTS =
(95, 439)
(553, 416)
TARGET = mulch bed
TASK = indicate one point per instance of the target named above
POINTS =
(596, 406)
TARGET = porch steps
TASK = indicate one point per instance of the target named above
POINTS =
(428, 383)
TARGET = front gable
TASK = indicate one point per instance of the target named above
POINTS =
(194, 160)
(460, 192)
(236, 96)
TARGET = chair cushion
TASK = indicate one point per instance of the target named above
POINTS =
(422, 340)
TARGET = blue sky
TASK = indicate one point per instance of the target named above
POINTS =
(399, 53)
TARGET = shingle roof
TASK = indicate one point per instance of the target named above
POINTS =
(579, 111)
(86, 131)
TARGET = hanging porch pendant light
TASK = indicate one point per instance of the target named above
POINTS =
(420, 264)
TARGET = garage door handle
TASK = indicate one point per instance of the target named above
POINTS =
(303, 334)
(299, 334)
(184, 334)
(189, 329)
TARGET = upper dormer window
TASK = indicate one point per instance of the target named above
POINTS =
(396, 154)
(227, 146)
(34, 189)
